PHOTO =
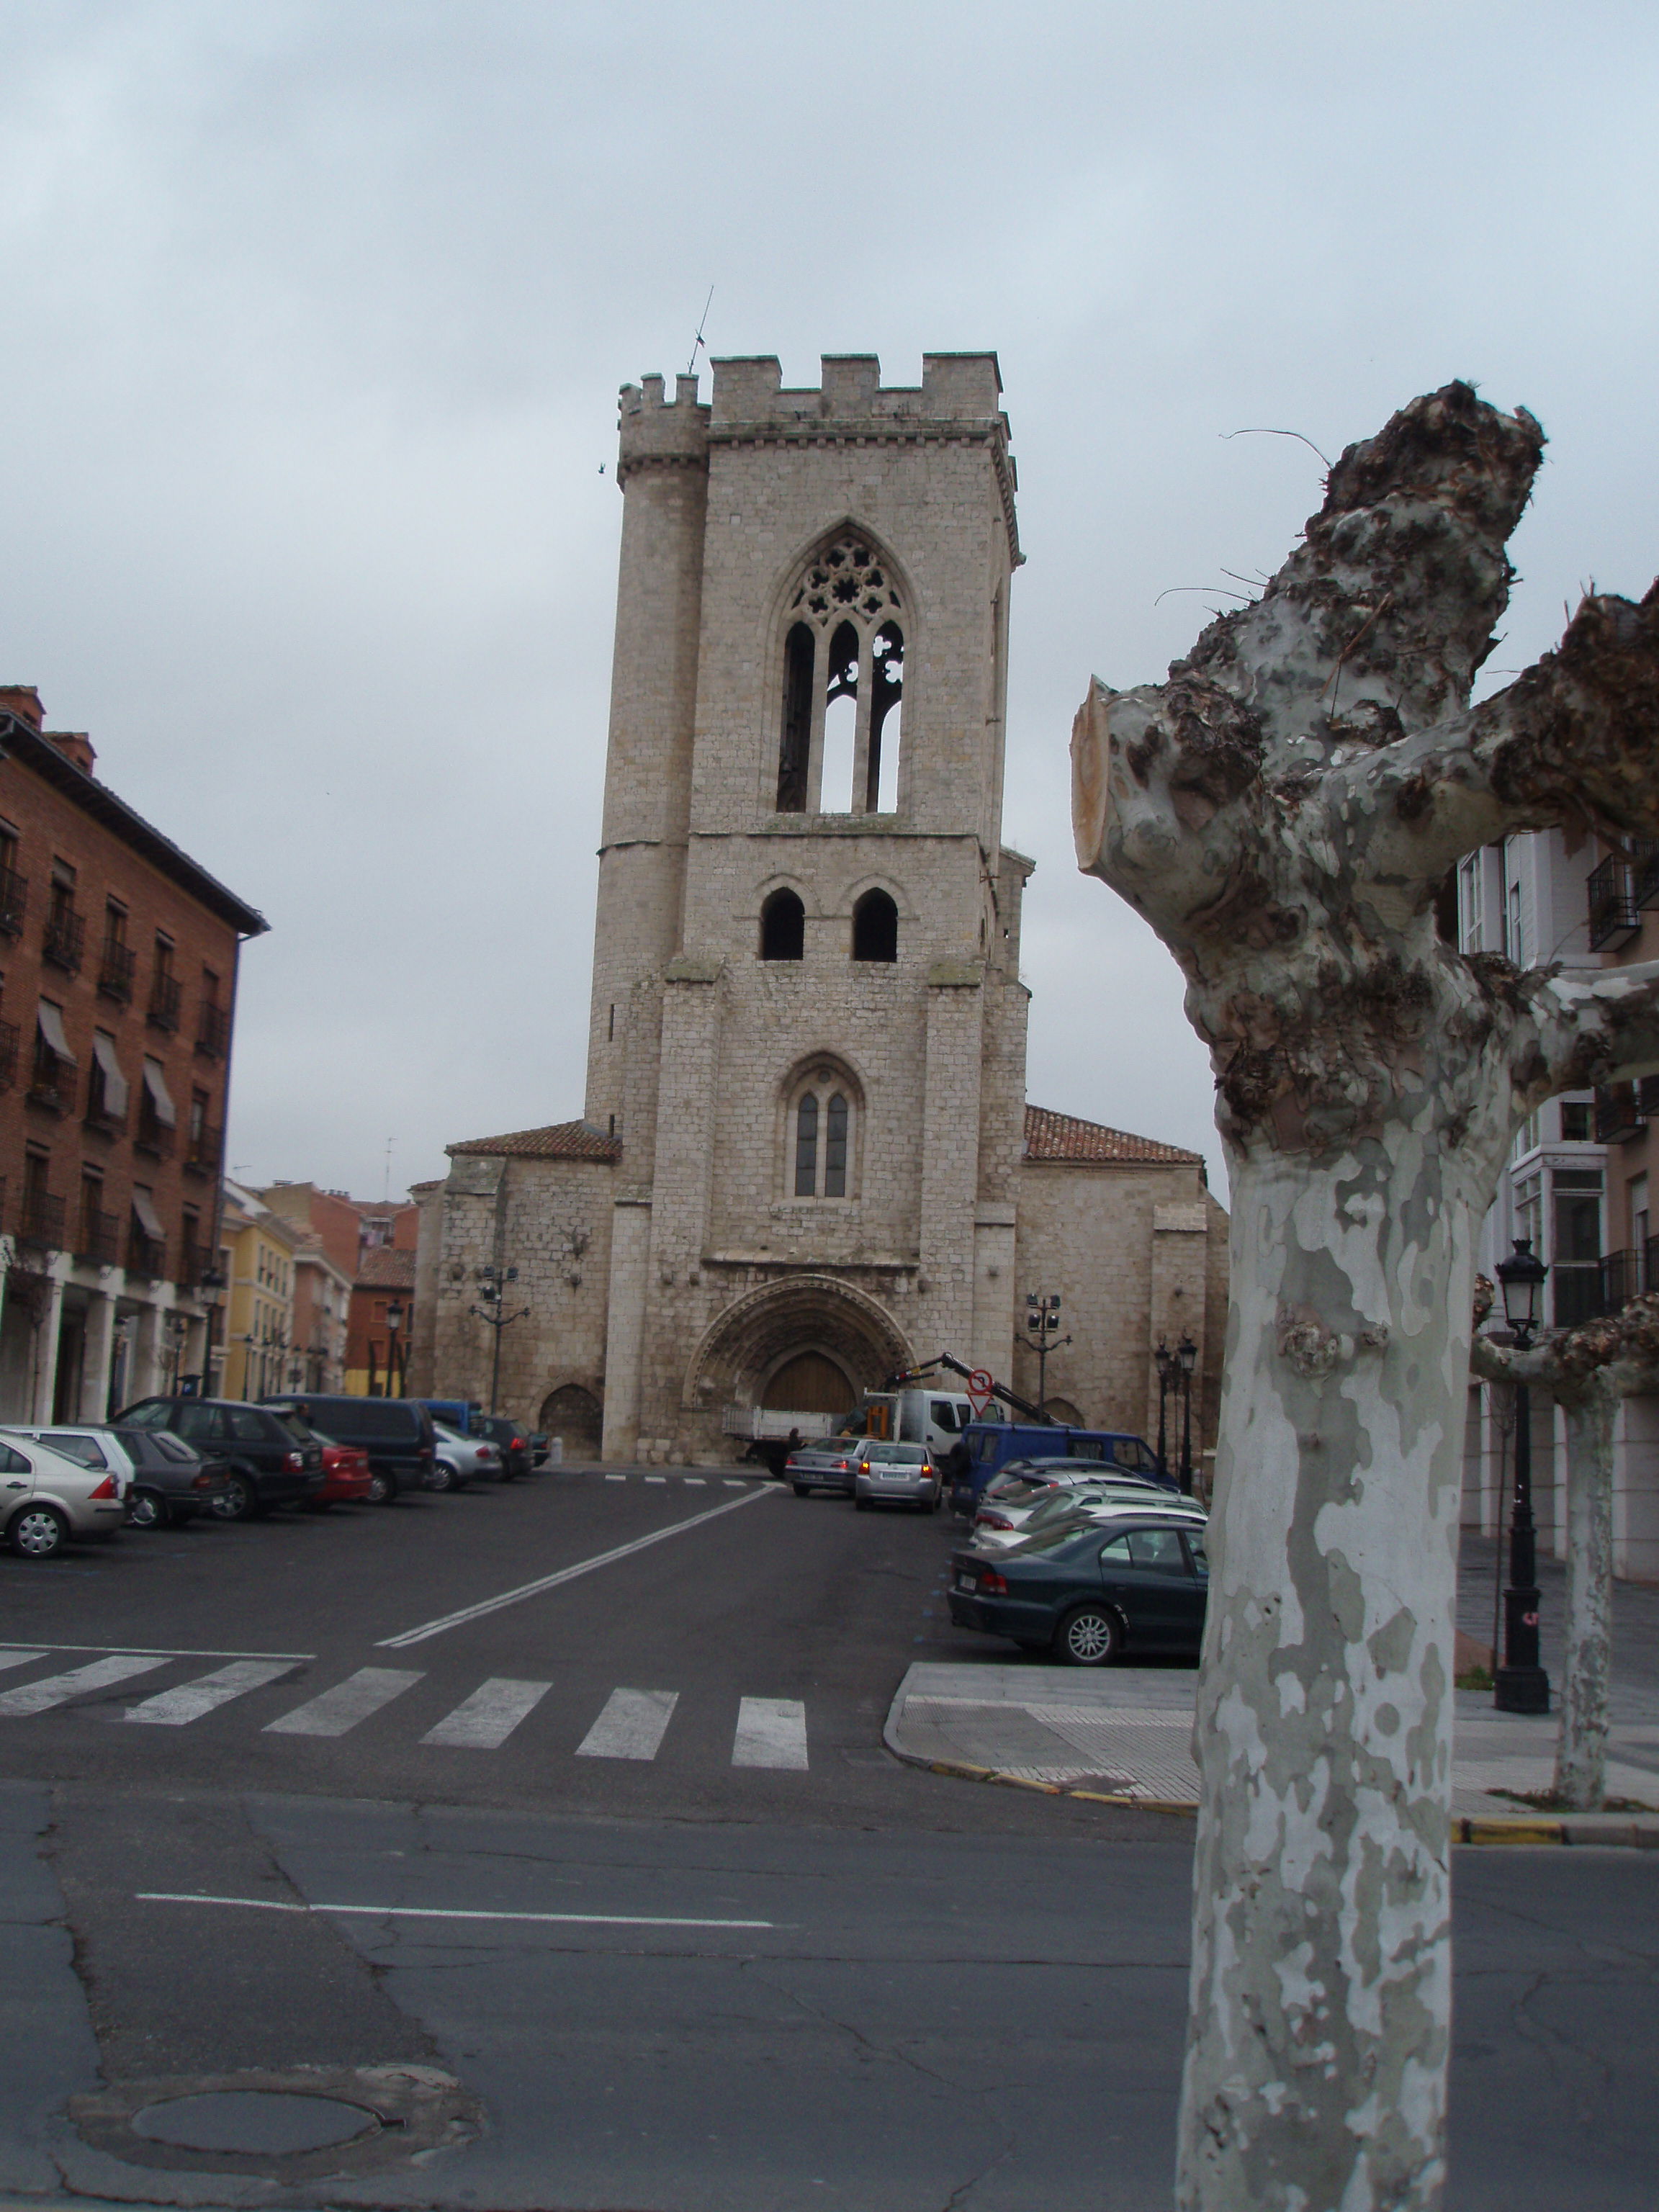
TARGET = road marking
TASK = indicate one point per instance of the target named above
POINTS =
(346, 1704)
(484, 1721)
(445, 1913)
(656, 1478)
(771, 1732)
(19, 1658)
(694, 1482)
(631, 1726)
(154, 1651)
(616, 1477)
(734, 1482)
(564, 1575)
(176, 1708)
(58, 1689)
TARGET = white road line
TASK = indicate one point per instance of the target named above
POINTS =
(19, 1658)
(734, 1482)
(656, 1478)
(564, 1575)
(631, 1726)
(346, 1704)
(616, 1477)
(771, 1732)
(445, 1913)
(176, 1708)
(484, 1721)
(58, 1689)
(694, 1482)
(155, 1652)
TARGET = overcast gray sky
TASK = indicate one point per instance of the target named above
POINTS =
(315, 318)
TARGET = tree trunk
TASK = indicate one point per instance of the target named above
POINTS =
(1581, 1755)
(1320, 1977)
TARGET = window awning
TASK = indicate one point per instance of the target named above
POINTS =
(148, 1219)
(52, 1028)
(155, 1083)
(115, 1084)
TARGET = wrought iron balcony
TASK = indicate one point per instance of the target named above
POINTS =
(166, 996)
(99, 1117)
(1614, 916)
(99, 1238)
(153, 1136)
(1576, 1292)
(203, 1150)
(42, 1219)
(52, 1084)
(115, 970)
(1645, 856)
(13, 899)
(212, 1030)
(1624, 1277)
(146, 1256)
(1619, 1114)
(65, 939)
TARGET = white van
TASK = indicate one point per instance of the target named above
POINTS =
(934, 1418)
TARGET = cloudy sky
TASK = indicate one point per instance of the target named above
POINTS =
(314, 316)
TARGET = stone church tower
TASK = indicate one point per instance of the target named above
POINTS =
(808, 1031)
(805, 1137)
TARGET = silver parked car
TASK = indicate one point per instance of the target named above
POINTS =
(458, 1460)
(45, 1498)
(905, 1474)
(1001, 1526)
(830, 1463)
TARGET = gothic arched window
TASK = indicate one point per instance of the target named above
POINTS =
(844, 679)
(821, 1131)
(875, 927)
(783, 927)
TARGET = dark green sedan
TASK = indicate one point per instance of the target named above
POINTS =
(1134, 1582)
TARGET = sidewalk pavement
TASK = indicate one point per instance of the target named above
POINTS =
(1125, 1733)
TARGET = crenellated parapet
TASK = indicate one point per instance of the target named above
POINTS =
(655, 433)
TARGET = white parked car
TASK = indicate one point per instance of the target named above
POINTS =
(458, 1460)
(1004, 1520)
(1073, 1510)
(46, 1499)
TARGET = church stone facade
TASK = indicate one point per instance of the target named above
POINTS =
(806, 1157)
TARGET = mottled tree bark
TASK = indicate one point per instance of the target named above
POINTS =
(1283, 810)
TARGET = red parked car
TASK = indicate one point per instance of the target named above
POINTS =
(347, 1477)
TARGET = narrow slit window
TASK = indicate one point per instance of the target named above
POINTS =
(806, 1147)
(835, 1148)
(841, 722)
(795, 751)
(886, 691)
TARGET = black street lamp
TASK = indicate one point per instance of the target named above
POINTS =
(394, 1322)
(1165, 1361)
(1043, 1319)
(491, 1283)
(1520, 1685)
(1186, 1355)
(210, 1289)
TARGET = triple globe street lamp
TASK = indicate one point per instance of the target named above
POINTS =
(1042, 1319)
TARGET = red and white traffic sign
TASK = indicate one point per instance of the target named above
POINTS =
(980, 1386)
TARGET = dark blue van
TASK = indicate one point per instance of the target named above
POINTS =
(991, 1444)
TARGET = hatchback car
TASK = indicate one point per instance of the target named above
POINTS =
(348, 1478)
(827, 1463)
(900, 1475)
(270, 1459)
(1131, 1583)
(47, 1499)
(511, 1439)
(167, 1480)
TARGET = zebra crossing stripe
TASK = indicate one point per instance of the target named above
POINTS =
(771, 1732)
(346, 1704)
(58, 1689)
(631, 1726)
(19, 1658)
(484, 1721)
(177, 1707)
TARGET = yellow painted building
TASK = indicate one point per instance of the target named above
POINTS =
(257, 1252)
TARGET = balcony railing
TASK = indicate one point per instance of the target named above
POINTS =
(1645, 854)
(203, 1149)
(1576, 1292)
(1624, 1277)
(1614, 916)
(115, 970)
(191, 1260)
(42, 1219)
(1619, 1114)
(99, 1238)
(9, 1044)
(154, 1136)
(100, 1117)
(212, 1030)
(146, 1256)
(13, 899)
(65, 939)
(166, 995)
(52, 1084)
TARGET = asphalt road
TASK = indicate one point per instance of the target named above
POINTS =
(674, 1979)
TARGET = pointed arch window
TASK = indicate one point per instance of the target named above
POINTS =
(783, 927)
(843, 685)
(821, 1125)
(875, 927)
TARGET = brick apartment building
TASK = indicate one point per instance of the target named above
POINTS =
(117, 985)
(370, 1243)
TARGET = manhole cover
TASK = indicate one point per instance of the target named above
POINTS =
(253, 2121)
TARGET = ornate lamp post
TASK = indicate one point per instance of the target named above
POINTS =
(1186, 1359)
(210, 1289)
(1520, 1685)
(1043, 1319)
(394, 1322)
(491, 1283)
(1165, 1360)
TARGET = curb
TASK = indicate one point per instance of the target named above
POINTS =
(1583, 1830)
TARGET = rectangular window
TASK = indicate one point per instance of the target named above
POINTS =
(1575, 1256)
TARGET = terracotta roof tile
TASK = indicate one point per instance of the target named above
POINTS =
(387, 1267)
(1063, 1137)
(561, 1140)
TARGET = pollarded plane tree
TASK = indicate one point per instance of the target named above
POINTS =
(1283, 810)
